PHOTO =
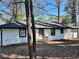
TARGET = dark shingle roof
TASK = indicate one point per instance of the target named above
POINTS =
(53, 25)
(13, 26)
(37, 25)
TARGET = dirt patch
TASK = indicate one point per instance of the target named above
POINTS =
(55, 50)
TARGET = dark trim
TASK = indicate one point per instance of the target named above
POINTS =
(56, 28)
(37, 28)
(41, 32)
(53, 31)
(61, 31)
(12, 28)
(1, 38)
(19, 32)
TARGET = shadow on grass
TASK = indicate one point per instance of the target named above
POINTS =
(1, 57)
(57, 49)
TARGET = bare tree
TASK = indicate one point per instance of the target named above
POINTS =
(13, 12)
(43, 7)
(30, 29)
(33, 29)
(71, 10)
(30, 24)
(58, 10)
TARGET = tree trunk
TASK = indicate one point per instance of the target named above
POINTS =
(33, 30)
(74, 12)
(58, 10)
(29, 30)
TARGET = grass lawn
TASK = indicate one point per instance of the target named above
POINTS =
(66, 49)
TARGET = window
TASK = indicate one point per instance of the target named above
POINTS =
(61, 31)
(65, 30)
(74, 30)
(22, 32)
(78, 11)
(41, 31)
(52, 31)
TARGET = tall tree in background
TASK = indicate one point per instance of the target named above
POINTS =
(13, 12)
(43, 7)
(74, 12)
(71, 10)
(41, 19)
(17, 12)
(58, 2)
(57, 6)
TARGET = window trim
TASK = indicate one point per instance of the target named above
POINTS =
(24, 33)
(53, 32)
(42, 33)
(61, 31)
(65, 30)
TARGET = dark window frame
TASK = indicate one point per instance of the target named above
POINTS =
(20, 33)
(61, 31)
(41, 31)
(53, 31)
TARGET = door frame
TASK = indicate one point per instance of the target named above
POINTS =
(1, 37)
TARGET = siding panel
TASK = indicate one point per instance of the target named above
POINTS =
(11, 36)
